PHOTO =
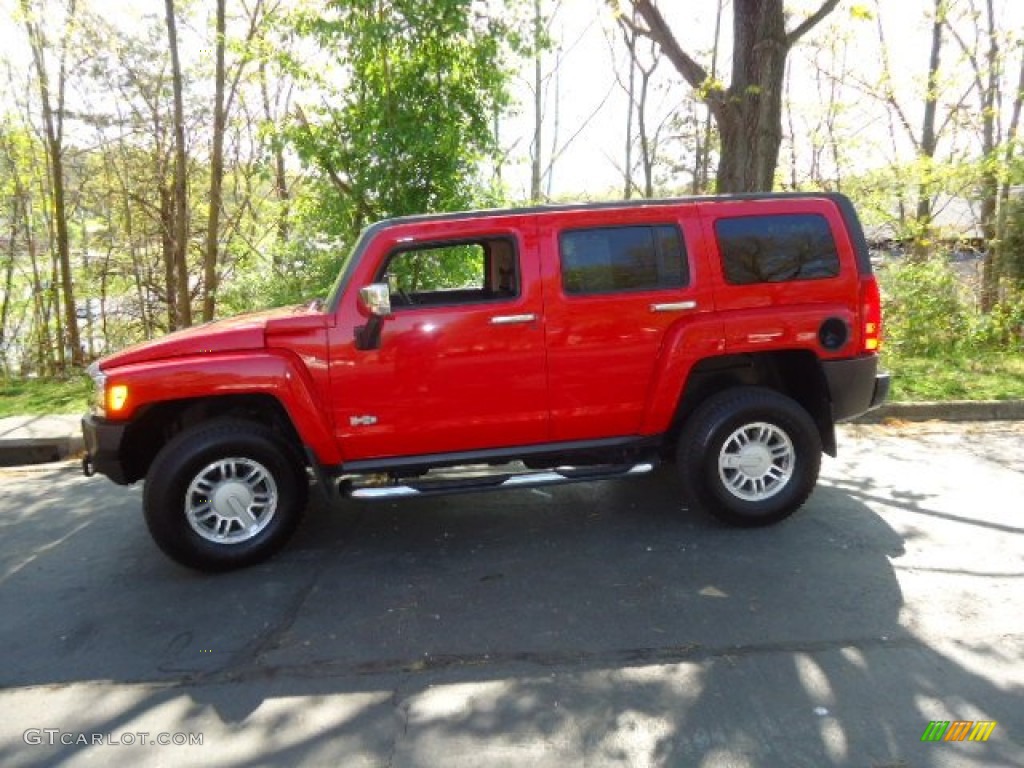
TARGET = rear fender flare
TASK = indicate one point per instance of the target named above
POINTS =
(683, 347)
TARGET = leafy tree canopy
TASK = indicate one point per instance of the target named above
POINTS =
(407, 131)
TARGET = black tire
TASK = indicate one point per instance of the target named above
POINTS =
(749, 456)
(258, 493)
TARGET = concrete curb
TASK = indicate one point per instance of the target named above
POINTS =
(952, 410)
(39, 439)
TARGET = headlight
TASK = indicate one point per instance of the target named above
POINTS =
(99, 392)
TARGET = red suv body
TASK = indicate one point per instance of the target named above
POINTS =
(545, 345)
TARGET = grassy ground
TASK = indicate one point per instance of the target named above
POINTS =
(27, 397)
(984, 377)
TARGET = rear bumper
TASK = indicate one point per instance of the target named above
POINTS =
(882, 382)
(103, 448)
(855, 386)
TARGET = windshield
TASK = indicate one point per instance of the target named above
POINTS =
(338, 288)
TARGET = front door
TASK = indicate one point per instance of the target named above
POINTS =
(460, 365)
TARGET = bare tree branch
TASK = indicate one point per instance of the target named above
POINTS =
(582, 127)
(657, 29)
(811, 22)
(332, 173)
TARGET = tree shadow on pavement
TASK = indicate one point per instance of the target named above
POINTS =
(596, 624)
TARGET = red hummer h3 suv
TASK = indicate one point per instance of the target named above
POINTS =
(548, 345)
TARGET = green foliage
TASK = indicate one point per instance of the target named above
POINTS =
(435, 269)
(1001, 330)
(957, 376)
(886, 198)
(861, 13)
(928, 315)
(939, 346)
(32, 396)
(408, 131)
(924, 313)
(1012, 248)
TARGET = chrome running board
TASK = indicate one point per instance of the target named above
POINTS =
(440, 484)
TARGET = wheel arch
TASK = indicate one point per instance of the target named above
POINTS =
(155, 425)
(795, 373)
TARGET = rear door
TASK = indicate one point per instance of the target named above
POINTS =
(616, 282)
(785, 275)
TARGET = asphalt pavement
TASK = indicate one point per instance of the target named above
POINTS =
(592, 625)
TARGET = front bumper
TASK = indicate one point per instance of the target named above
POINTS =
(855, 386)
(103, 448)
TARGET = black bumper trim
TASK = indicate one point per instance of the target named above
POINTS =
(103, 448)
(855, 386)
(882, 383)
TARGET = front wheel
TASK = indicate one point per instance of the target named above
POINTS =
(749, 456)
(224, 495)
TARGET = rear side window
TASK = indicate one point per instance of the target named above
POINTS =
(774, 249)
(612, 259)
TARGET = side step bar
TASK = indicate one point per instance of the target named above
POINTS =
(431, 486)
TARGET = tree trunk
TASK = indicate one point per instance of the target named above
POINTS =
(749, 112)
(5, 305)
(167, 251)
(1009, 143)
(538, 105)
(629, 35)
(216, 175)
(928, 137)
(990, 178)
(41, 313)
(703, 175)
(179, 232)
(751, 117)
(648, 143)
(280, 174)
(53, 130)
(61, 349)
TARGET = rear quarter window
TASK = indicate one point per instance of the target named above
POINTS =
(775, 249)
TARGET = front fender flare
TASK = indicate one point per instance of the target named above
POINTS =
(275, 373)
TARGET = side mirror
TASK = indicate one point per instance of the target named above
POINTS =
(376, 299)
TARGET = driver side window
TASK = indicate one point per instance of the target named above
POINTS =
(452, 273)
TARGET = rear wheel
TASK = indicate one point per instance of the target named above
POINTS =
(749, 456)
(224, 495)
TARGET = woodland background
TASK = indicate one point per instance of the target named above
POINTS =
(164, 164)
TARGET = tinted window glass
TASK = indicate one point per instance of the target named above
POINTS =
(622, 259)
(772, 249)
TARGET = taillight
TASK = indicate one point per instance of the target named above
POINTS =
(870, 314)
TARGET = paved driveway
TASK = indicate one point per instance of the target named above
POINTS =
(593, 625)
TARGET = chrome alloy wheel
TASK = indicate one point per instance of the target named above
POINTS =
(756, 461)
(231, 500)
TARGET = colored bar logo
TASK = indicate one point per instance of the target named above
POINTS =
(958, 730)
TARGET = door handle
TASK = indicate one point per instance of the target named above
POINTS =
(677, 306)
(512, 319)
